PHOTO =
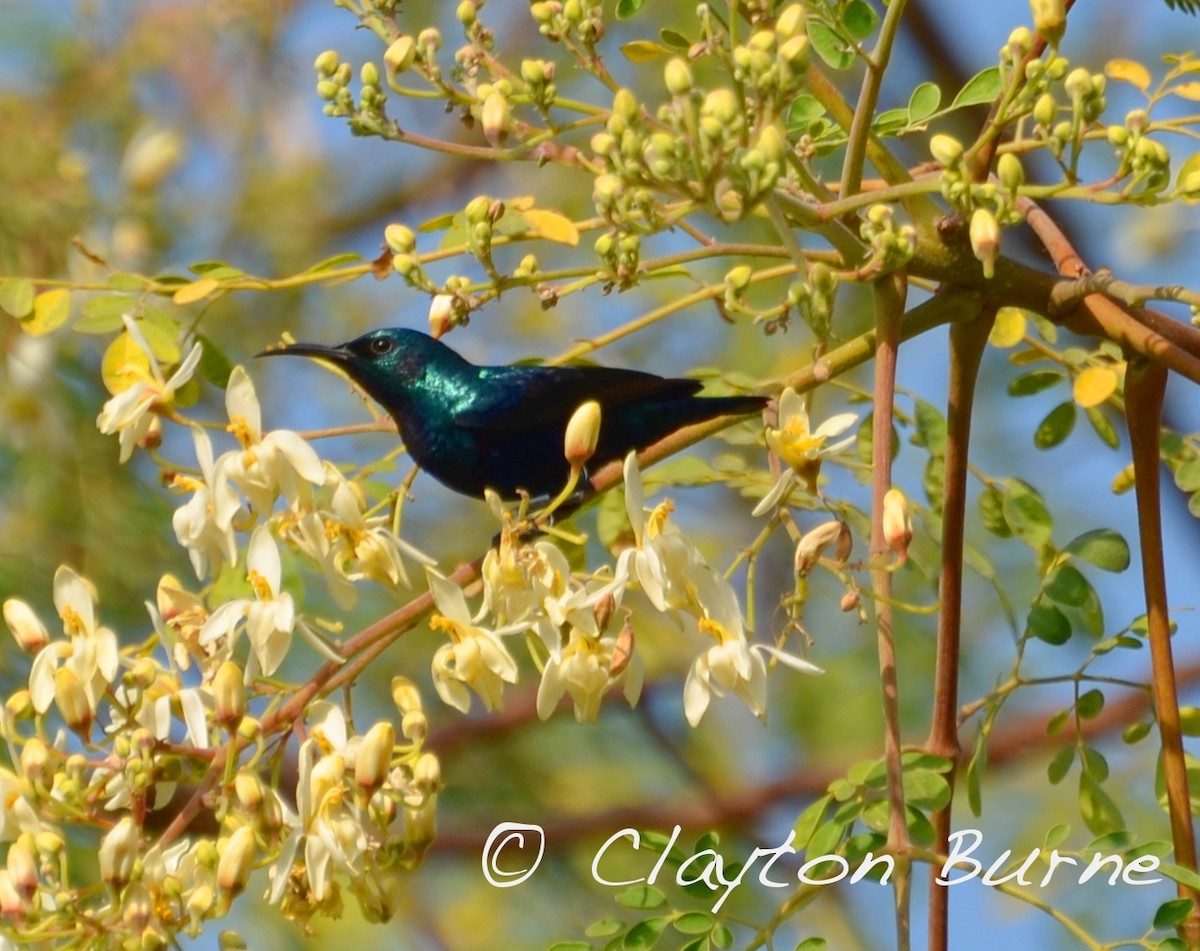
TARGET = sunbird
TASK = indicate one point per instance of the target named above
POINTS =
(502, 427)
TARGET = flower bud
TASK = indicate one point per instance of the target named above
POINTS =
(678, 77)
(441, 315)
(738, 278)
(1020, 42)
(897, 522)
(399, 56)
(625, 105)
(325, 777)
(1078, 83)
(249, 790)
(35, 762)
(27, 629)
(199, 902)
(583, 433)
(369, 74)
(850, 600)
(795, 52)
(374, 758)
(327, 63)
(496, 118)
(946, 149)
(229, 694)
(414, 725)
(118, 853)
(237, 860)
(985, 239)
(1010, 171)
(722, 105)
(466, 12)
(427, 772)
(430, 38)
(399, 239)
(405, 695)
(71, 699)
(622, 651)
(22, 866)
(791, 22)
(813, 543)
(1049, 19)
(11, 906)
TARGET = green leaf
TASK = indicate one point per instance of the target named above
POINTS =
(1099, 812)
(1189, 720)
(1026, 513)
(975, 770)
(1056, 836)
(102, 315)
(1090, 704)
(859, 19)
(1060, 765)
(1104, 429)
(1177, 873)
(926, 789)
(570, 946)
(627, 8)
(129, 283)
(644, 51)
(214, 365)
(829, 46)
(812, 944)
(693, 922)
(641, 896)
(809, 819)
(50, 311)
(890, 122)
(644, 935)
(1056, 426)
(1091, 612)
(1068, 586)
(1136, 732)
(1047, 623)
(1057, 722)
(347, 257)
(1102, 547)
(1034, 382)
(923, 102)
(991, 510)
(722, 937)
(931, 427)
(804, 110)
(676, 41)
(604, 927)
(697, 944)
(16, 296)
(1170, 913)
(983, 87)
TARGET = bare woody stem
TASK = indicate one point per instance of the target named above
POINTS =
(889, 295)
(1145, 384)
(967, 343)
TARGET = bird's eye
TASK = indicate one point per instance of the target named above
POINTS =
(379, 346)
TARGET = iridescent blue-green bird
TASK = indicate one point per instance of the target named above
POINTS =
(501, 427)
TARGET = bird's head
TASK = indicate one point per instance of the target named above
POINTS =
(379, 361)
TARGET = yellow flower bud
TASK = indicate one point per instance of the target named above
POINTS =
(897, 522)
(27, 629)
(249, 790)
(813, 543)
(1049, 19)
(375, 756)
(1010, 171)
(427, 772)
(35, 762)
(237, 860)
(118, 853)
(625, 105)
(496, 118)
(583, 433)
(399, 56)
(678, 77)
(985, 239)
(326, 63)
(229, 694)
(790, 22)
(946, 149)
(441, 315)
(405, 695)
(22, 866)
(71, 699)
(399, 239)
(414, 725)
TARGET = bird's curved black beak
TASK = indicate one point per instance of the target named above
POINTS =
(338, 356)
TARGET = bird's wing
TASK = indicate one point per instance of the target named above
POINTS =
(511, 399)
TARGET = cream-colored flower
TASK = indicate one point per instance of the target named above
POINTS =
(475, 658)
(583, 668)
(131, 412)
(801, 447)
(279, 463)
(204, 524)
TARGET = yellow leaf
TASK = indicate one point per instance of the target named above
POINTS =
(644, 51)
(1126, 70)
(552, 226)
(1009, 328)
(50, 311)
(197, 290)
(1094, 385)
(124, 363)
(1187, 91)
(520, 203)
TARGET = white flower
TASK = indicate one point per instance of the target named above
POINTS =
(664, 561)
(518, 579)
(475, 657)
(801, 447)
(204, 524)
(91, 652)
(584, 668)
(269, 620)
(731, 664)
(271, 465)
(130, 412)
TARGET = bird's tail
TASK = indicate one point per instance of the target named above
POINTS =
(734, 405)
